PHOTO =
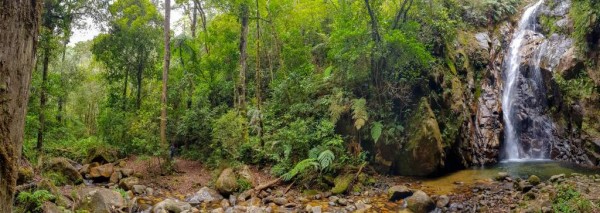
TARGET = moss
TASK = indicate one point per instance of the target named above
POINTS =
(25, 175)
(58, 179)
(342, 183)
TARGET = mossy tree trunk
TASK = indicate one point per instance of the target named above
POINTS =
(18, 40)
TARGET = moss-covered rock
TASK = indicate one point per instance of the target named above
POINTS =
(63, 167)
(25, 174)
(423, 153)
(101, 155)
(342, 183)
(227, 182)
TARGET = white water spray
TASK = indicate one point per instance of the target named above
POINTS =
(512, 147)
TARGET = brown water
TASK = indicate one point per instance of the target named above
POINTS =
(543, 169)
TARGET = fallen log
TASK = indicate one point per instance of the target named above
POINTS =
(267, 185)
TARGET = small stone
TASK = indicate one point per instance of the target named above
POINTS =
(225, 203)
(149, 191)
(556, 178)
(342, 202)
(139, 189)
(218, 210)
(280, 201)
(442, 201)
(501, 176)
(316, 209)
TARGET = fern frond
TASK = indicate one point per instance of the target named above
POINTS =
(325, 159)
(376, 131)
(300, 167)
(359, 113)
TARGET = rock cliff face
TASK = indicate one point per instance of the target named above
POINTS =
(553, 117)
(548, 121)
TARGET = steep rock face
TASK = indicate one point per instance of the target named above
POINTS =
(423, 154)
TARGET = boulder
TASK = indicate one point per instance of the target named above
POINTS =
(557, 178)
(115, 177)
(420, 202)
(49, 207)
(101, 155)
(534, 180)
(423, 153)
(101, 200)
(64, 167)
(25, 175)
(104, 171)
(342, 183)
(227, 182)
(483, 40)
(127, 172)
(85, 169)
(399, 192)
(204, 195)
(570, 65)
(172, 206)
(128, 183)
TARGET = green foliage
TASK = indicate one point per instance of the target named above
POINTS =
(489, 11)
(376, 131)
(586, 20)
(322, 162)
(33, 201)
(578, 88)
(568, 200)
(229, 133)
(57, 178)
(359, 112)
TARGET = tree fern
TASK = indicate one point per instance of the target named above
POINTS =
(359, 112)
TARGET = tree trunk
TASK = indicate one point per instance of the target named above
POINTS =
(18, 40)
(42, 116)
(61, 98)
(258, 74)
(138, 99)
(194, 19)
(165, 76)
(241, 88)
(125, 90)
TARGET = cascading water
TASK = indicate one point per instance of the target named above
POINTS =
(527, 130)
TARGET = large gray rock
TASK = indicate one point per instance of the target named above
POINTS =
(204, 195)
(171, 206)
(101, 200)
(483, 40)
(420, 202)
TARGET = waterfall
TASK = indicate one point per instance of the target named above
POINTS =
(513, 149)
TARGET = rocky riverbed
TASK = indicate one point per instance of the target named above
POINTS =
(116, 187)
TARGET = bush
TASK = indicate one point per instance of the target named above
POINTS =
(229, 133)
(32, 202)
(568, 200)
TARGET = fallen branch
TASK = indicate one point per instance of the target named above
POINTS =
(26, 186)
(351, 185)
(289, 187)
(267, 185)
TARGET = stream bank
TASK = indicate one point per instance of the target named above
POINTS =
(507, 187)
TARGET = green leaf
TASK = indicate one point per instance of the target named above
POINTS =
(376, 131)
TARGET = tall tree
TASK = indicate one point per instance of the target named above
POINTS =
(18, 40)
(241, 86)
(165, 77)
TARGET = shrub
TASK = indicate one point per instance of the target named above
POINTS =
(33, 201)
(568, 200)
